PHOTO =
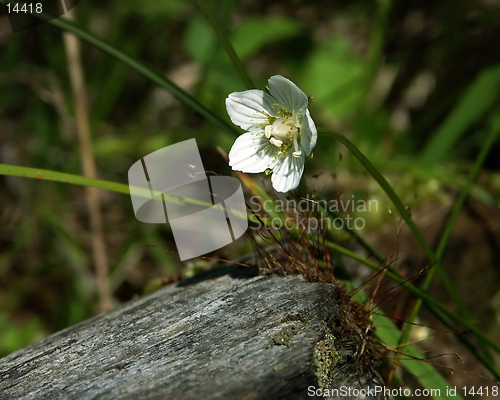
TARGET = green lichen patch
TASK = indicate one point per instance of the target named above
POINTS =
(284, 337)
(325, 359)
(300, 317)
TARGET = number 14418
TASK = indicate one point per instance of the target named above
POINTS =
(481, 390)
(26, 8)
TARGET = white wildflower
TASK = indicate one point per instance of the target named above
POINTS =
(280, 132)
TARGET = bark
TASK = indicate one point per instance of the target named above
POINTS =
(218, 336)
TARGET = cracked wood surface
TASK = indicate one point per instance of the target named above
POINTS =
(217, 336)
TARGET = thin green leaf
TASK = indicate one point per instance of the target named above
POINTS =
(55, 176)
(412, 359)
(226, 44)
(124, 189)
(449, 225)
(140, 67)
(478, 99)
(418, 235)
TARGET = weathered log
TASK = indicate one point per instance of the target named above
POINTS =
(212, 337)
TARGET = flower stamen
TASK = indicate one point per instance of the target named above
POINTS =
(276, 142)
(297, 152)
(283, 130)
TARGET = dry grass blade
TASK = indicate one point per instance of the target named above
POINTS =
(73, 52)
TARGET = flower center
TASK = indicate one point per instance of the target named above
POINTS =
(283, 132)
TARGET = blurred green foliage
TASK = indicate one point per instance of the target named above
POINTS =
(414, 84)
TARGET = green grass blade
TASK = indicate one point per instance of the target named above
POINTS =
(476, 101)
(434, 261)
(386, 187)
(413, 360)
(417, 233)
(451, 221)
(226, 44)
(44, 174)
(142, 68)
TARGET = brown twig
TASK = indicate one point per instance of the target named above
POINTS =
(73, 53)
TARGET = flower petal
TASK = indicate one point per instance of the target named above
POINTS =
(252, 153)
(287, 94)
(250, 109)
(308, 134)
(287, 173)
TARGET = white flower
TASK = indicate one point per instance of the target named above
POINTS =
(280, 132)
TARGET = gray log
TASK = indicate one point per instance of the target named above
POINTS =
(212, 337)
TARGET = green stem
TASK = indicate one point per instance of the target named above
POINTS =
(490, 140)
(142, 68)
(438, 309)
(226, 44)
(54, 176)
(407, 218)
(387, 189)
(434, 260)
(124, 189)
(451, 221)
